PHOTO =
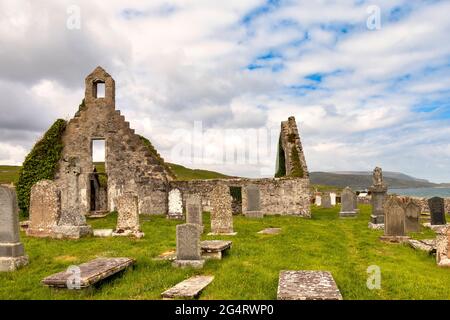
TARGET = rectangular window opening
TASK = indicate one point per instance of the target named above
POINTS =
(98, 151)
(100, 89)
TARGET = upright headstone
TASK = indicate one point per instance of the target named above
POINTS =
(175, 204)
(443, 248)
(378, 191)
(333, 198)
(318, 200)
(253, 202)
(194, 210)
(437, 210)
(12, 253)
(127, 216)
(394, 220)
(188, 246)
(326, 200)
(221, 215)
(355, 202)
(412, 212)
(72, 222)
(45, 209)
(347, 203)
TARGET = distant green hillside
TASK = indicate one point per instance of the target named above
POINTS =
(364, 181)
(184, 173)
(10, 174)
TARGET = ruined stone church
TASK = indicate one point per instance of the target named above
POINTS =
(133, 166)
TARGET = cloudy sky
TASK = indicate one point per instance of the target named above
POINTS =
(363, 93)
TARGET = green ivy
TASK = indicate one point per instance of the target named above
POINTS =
(281, 170)
(41, 163)
(155, 153)
(297, 169)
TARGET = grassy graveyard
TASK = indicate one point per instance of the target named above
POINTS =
(250, 270)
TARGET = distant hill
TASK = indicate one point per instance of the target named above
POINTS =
(10, 174)
(363, 179)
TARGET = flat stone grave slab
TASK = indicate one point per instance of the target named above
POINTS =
(428, 245)
(98, 214)
(169, 255)
(437, 227)
(102, 233)
(189, 288)
(214, 249)
(376, 226)
(307, 285)
(90, 272)
(270, 231)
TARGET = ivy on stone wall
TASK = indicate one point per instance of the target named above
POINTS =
(41, 163)
(297, 169)
(155, 153)
(281, 161)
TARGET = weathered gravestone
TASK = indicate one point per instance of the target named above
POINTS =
(307, 285)
(87, 274)
(378, 194)
(127, 216)
(412, 212)
(318, 200)
(355, 202)
(347, 203)
(253, 202)
(189, 288)
(333, 198)
(72, 222)
(437, 210)
(175, 204)
(326, 201)
(214, 249)
(188, 246)
(194, 210)
(12, 253)
(221, 215)
(45, 209)
(394, 221)
(443, 248)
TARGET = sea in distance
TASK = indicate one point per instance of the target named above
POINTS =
(422, 192)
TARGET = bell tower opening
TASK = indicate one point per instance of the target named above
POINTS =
(99, 89)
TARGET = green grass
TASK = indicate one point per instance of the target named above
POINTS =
(250, 271)
(9, 174)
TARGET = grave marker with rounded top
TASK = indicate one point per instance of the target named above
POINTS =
(347, 203)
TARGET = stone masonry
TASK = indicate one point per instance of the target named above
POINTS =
(128, 215)
(130, 167)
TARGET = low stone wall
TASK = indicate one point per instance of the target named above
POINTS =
(284, 196)
(423, 203)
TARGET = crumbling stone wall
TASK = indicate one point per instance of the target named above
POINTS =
(285, 196)
(128, 163)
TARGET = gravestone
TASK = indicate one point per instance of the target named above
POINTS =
(127, 216)
(188, 246)
(318, 200)
(253, 202)
(326, 201)
(214, 249)
(194, 210)
(175, 204)
(45, 209)
(355, 202)
(87, 274)
(437, 211)
(72, 222)
(412, 212)
(347, 203)
(12, 253)
(378, 193)
(333, 198)
(221, 214)
(189, 288)
(394, 221)
(443, 248)
(307, 285)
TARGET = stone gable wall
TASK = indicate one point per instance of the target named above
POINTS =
(129, 165)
